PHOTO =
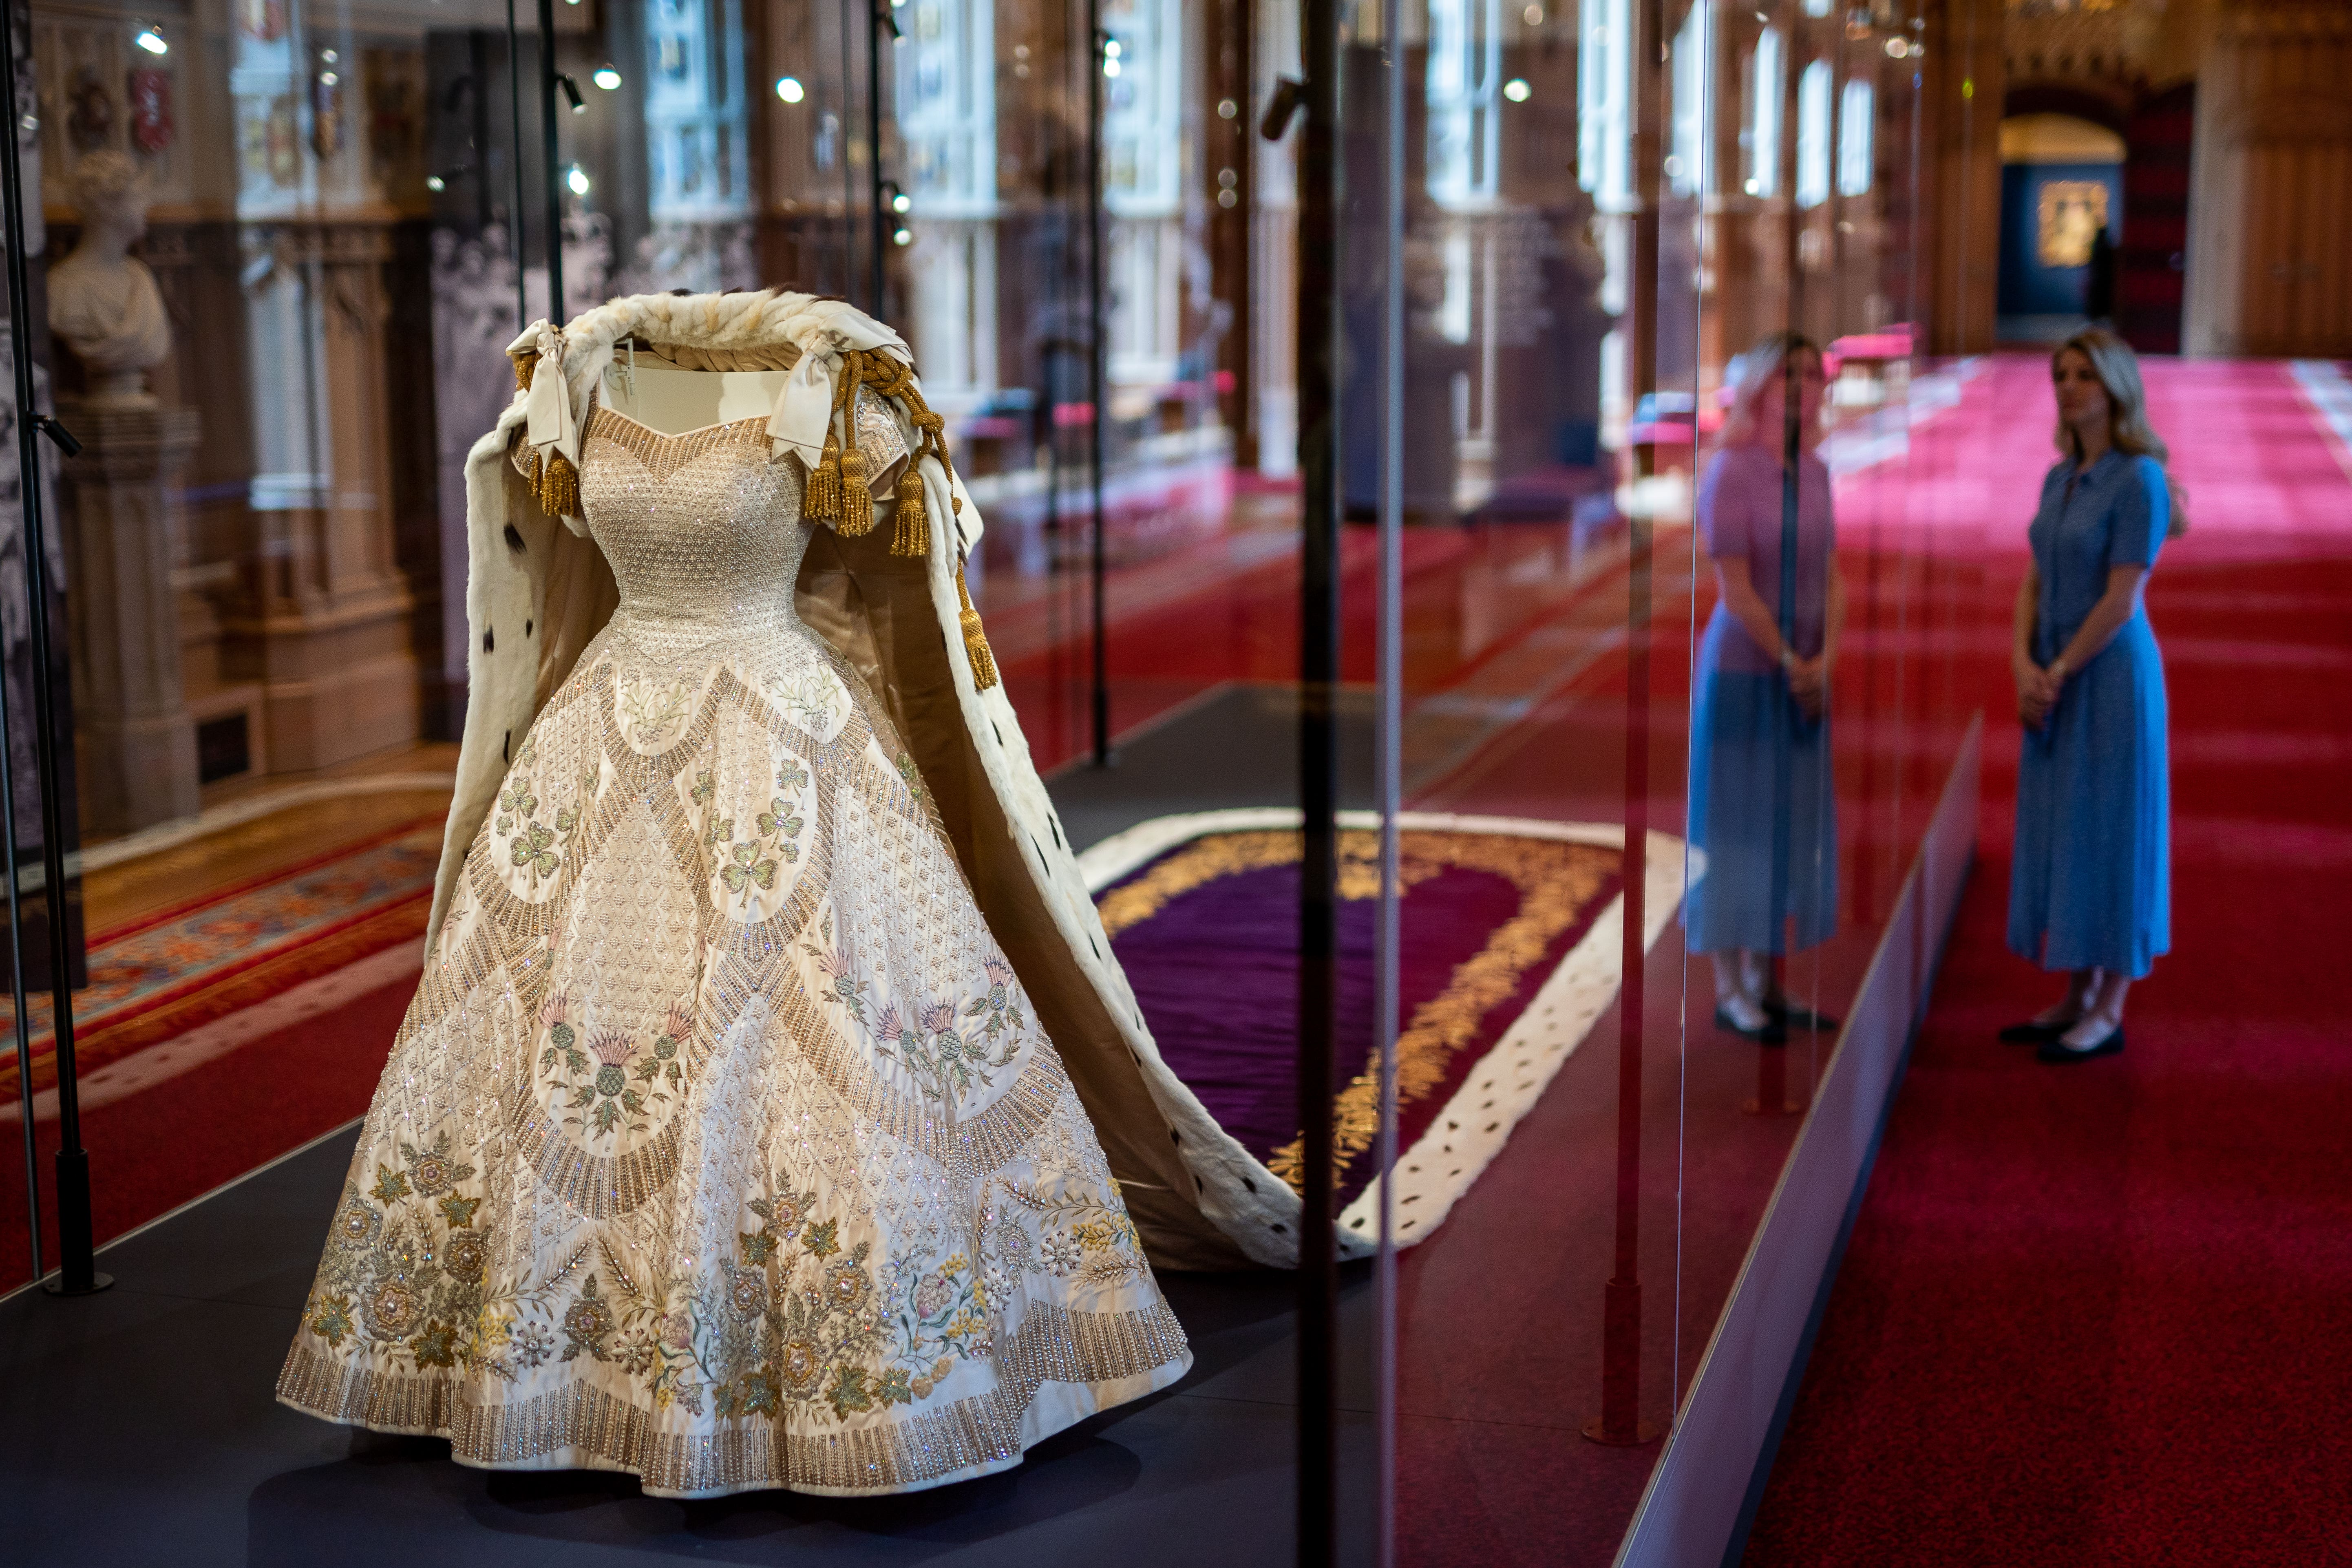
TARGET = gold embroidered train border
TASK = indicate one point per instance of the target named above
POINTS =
(1053, 1344)
(1557, 882)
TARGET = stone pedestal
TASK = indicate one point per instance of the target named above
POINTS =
(135, 741)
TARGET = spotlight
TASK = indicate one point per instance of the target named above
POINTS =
(150, 38)
(435, 183)
(606, 78)
(577, 180)
(1517, 90)
(902, 202)
(789, 89)
(1110, 67)
(572, 94)
(903, 236)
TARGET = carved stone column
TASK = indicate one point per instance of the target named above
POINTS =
(326, 627)
(136, 742)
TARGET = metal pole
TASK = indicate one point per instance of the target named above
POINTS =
(1619, 1423)
(1097, 375)
(1390, 783)
(876, 13)
(848, 173)
(555, 312)
(1320, 326)
(76, 1268)
(1772, 1071)
(17, 954)
(514, 162)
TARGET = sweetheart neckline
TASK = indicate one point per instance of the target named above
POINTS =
(682, 435)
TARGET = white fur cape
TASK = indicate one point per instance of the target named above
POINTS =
(536, 593)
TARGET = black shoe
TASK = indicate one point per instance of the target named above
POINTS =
(1771, 1032)
(2032, 1034)
(2059, 1051)
(1798, 1017)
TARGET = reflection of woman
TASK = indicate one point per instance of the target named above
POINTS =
(1761, 805)
(2090, 889)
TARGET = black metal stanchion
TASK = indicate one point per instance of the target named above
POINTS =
(77, 1263)
(1319, 328)
(16, 969)
(547, 74)
(1097, 377)
(1388, 767)
(514, 163)
(878, 21)
(1619, 1424)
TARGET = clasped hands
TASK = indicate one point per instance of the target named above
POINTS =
(1808, 682)
(2037, 690)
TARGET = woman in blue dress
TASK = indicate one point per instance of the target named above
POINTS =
(1761, 808)
(2090, 887)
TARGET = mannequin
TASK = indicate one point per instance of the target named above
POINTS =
(102, 299)
(661, 397)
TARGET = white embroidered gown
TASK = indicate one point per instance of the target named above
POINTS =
(720, 1143)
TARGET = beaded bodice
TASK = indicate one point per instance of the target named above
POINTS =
(703, 530)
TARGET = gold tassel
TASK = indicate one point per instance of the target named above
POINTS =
(975, 641)
(857, 501)
(823, 500)
(914, 535)
(558, 486)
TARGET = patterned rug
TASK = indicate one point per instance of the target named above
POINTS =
(1510, 947)
(172, 968)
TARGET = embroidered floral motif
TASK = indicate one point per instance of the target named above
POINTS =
(331, 1318)
(599, 1076)
(841, 979)
(946, 1061)
(434, 1170)
(436, 1346)
(813, 699)
(532, 846)
(654, 712)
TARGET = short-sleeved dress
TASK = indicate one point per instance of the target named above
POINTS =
(1762, 804)
(2091, 885)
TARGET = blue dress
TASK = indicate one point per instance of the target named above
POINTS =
(1762, 807)
(2091, 882)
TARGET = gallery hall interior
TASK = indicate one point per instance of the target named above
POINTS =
(1295, 784)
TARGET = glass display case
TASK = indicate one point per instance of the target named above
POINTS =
(1455, 552)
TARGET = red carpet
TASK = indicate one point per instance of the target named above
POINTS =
(2103, 1314)
(167, 972)
(153, 1151)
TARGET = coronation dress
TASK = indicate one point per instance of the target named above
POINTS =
(722, 1144)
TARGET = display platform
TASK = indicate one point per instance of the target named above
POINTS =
(1512, 943)
(137, 1426)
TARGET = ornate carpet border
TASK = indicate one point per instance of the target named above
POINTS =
(578, 1425)
(1474, 1124)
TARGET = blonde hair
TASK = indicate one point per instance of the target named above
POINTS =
(1752, 374)
(2128, 431)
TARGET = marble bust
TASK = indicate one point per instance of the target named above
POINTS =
(102, 299)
